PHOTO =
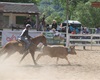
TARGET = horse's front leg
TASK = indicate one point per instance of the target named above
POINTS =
(32, 54)
(23, 56)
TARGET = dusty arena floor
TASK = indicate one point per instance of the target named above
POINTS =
(84, 66)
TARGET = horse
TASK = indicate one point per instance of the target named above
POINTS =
(15, 46)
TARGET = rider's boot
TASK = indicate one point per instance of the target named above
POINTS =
(26, 48)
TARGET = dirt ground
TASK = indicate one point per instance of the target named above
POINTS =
(84, 66)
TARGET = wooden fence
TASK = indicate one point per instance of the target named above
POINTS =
(84, 39)
(0, 37)
(74, 39)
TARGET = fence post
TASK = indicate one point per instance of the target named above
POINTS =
(91, 40)
(0, 38)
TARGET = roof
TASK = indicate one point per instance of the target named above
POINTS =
(96, 4)
(8, 7)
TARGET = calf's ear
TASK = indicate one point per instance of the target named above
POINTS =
(72, 47)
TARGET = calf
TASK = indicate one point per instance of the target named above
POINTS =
(57, 51)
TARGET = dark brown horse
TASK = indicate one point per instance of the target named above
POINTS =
(16, 46)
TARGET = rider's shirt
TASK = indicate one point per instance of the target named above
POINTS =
(25, 33)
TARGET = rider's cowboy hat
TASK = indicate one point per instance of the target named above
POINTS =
(28, 25)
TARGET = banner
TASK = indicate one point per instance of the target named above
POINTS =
(13, 35)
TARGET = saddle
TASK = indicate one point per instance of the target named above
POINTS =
(21, 43)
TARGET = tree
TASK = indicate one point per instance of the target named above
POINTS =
(52, 9)
(56, 9)
(22, 1)
(87, 15)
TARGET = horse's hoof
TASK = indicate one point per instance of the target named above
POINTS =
(36, 64)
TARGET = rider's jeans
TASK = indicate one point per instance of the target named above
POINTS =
(27, 43)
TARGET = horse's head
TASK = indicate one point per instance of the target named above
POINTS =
(39, 39)
(43, 40)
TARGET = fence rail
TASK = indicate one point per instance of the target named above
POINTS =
(84, 40)
(0, 37)
(75, 39)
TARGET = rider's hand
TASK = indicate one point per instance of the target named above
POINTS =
(30, 38)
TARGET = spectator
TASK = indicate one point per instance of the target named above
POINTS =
(84, 31)
(48, 27)
(71, 29)
(77, 31)
(73, 32)
(54, 25)
(27, 21)
(73, 37)
(32, 23)
(41, 27)
(56, 33)
(43, 21)
(97, 30)
(63, 27)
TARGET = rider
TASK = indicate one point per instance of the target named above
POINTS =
(25, 37)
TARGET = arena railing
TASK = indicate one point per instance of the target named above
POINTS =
(74, 39)
(0, 37)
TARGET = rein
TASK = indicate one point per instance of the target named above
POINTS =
(32, 43)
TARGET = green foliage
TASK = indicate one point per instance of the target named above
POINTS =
(21, 1)
(54, 16)
(88, 15)
(52, 10)
(80, 10)
(49, 8)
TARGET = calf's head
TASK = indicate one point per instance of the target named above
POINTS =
(72, 50)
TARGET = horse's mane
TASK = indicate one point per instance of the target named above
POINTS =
(40, 35)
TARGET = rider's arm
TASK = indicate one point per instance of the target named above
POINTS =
(27, 35)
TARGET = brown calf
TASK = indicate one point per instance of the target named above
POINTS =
(57, 51)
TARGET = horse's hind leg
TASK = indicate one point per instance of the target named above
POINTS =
(23, 56)
(8, 55)
(2, 52)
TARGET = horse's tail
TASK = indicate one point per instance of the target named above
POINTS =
(3, 49)
(6, 45)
